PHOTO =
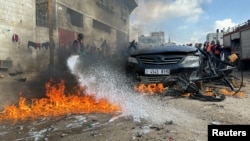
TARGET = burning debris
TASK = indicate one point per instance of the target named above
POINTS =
(56, 104)
(232, 93)
(150, 88)
(153, 89)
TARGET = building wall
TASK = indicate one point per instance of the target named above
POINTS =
(215, 36)
(19, 17)
(109, 14)
(160, 37)
(155, 39)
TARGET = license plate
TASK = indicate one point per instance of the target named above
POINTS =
(157, 71)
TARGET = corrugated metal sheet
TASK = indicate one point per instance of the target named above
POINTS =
(227, 41)
(235, 35)
(245, 44)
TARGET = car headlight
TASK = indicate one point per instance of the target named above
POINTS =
(191, 61)
(132, 60)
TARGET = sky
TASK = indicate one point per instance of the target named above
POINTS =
(187, 21)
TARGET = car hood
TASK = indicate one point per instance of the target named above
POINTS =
(165, 49)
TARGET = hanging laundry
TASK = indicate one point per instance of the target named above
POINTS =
(38, 45)
(15, 38)
(31, 44)
(45, 45)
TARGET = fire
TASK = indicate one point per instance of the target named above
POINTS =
(159, 89)
(56, 104)
(208, 91)
(232, 93)
(150, 88)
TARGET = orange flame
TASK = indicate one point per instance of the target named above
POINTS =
(56, 104)
(159, 89)
(232, 93)
(150, 88)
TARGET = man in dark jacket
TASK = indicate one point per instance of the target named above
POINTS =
(78, 47)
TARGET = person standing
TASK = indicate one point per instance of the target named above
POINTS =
(211, 57)
(78, 46)
(211, 47)
(217, 53)
(205, 46)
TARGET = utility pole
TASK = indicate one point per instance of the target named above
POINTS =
(51, 39)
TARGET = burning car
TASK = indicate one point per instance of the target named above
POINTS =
(165, 64)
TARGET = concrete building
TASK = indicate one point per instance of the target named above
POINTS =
(155, 38)
(24, 28)
(214, 37)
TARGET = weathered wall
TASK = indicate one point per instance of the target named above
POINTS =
(16, 18)
(109, 14)
(19, 17)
